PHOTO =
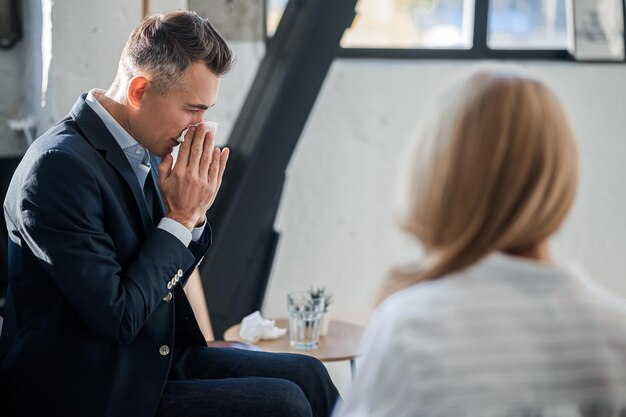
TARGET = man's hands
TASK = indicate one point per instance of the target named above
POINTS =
(191, 187)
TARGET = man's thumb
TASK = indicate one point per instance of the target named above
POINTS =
(165, 168)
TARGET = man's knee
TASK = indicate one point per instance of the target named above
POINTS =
(316, 366)
(313, 369)
(288, 400)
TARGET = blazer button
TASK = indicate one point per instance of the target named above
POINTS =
(164, 350)
(169, 285)
(179, 273)
(168, 297)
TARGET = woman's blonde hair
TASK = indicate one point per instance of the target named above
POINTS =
(496, 170)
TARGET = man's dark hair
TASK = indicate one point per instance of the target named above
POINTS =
(165, 46)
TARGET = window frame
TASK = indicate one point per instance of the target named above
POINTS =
(479, 50)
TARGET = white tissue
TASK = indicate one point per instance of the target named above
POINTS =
(211, 127)
(254, 328)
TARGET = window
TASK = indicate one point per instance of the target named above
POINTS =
(411, 24)
(479, 29)
(400, 23)
(273, 12)
(527, 24)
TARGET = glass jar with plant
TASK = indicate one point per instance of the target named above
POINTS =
(320, 292)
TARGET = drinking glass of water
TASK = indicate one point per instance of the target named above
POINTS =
(305, 314)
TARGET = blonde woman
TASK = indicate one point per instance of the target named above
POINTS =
(488, 324)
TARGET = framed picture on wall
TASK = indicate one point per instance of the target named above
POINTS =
(596, 29)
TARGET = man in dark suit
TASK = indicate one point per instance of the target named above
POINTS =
(99, 247)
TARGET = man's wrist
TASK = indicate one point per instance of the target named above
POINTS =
(189, 224)
(196, 233)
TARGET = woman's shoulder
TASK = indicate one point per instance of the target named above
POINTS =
(436, 292)
(426, 302)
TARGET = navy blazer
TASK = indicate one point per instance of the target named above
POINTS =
(91, 326)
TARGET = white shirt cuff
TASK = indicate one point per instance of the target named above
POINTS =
(196, 233)
(178, 230)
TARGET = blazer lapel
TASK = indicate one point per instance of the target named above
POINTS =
(96, 133)
(159, 206)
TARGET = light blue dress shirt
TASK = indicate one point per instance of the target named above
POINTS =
(139, 159)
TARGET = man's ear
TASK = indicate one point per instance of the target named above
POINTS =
(136, 89)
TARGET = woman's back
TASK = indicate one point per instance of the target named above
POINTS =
(506, 337)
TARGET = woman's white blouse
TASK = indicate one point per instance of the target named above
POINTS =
(506, 337)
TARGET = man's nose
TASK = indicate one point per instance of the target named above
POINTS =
(198, 118)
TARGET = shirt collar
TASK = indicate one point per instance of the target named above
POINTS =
(502, 266)
(133, 150)
(121, 136)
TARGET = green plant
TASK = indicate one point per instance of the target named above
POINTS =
(318, 292)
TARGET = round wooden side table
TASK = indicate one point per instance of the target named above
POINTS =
(340, 344)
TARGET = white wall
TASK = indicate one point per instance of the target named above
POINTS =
(85, 55)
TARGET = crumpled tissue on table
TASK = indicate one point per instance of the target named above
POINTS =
(254, 328)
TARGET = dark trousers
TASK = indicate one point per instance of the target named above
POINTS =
(209, 381)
